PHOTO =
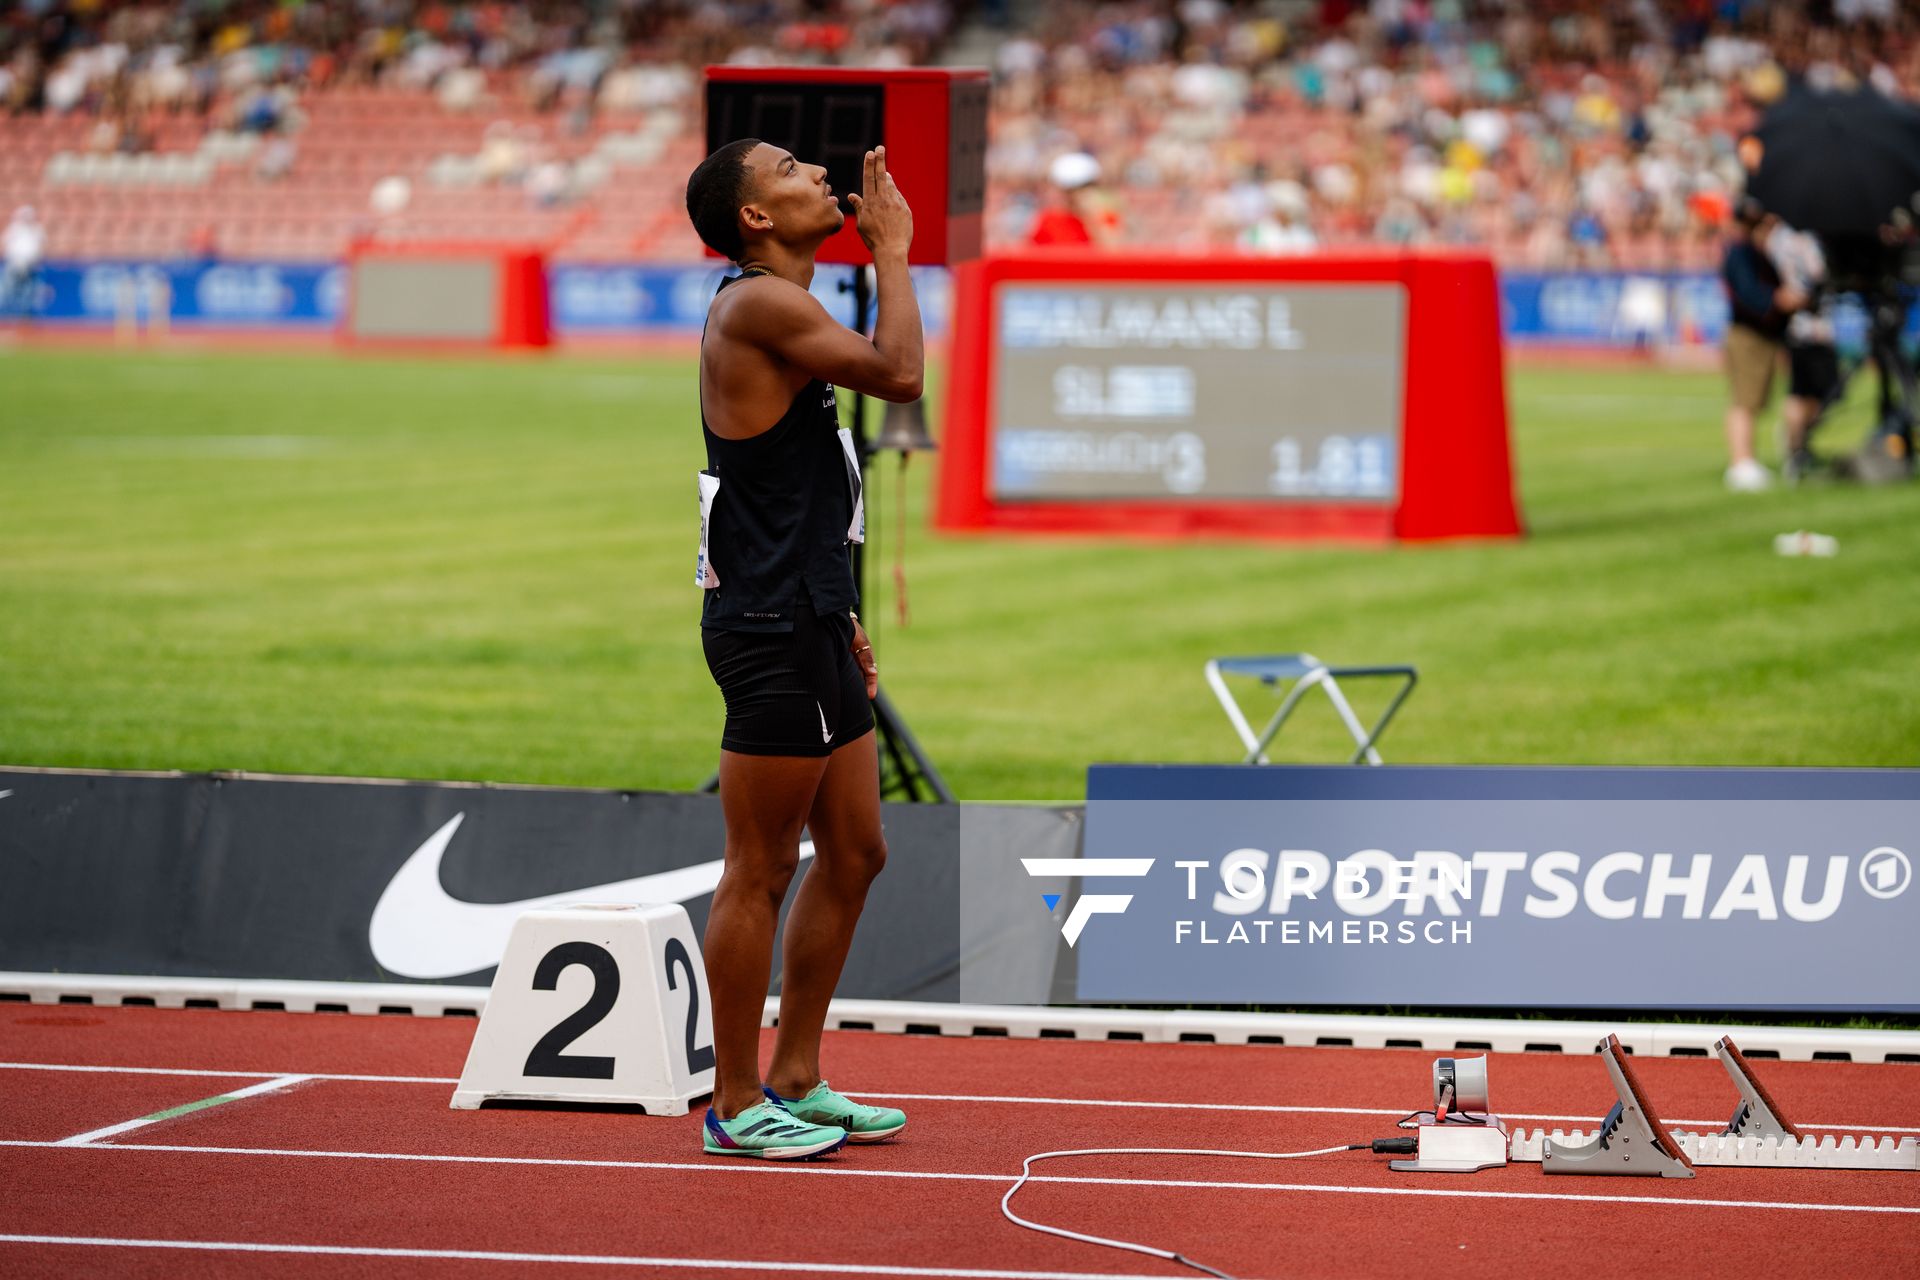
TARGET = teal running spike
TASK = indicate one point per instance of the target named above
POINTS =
(862, 1123)
(770, 1132)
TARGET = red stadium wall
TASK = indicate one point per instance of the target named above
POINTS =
(1456, 477)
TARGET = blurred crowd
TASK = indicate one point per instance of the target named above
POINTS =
(1565, 133)
(1562, 134)
(250, 60)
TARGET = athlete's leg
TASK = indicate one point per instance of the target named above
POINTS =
(848, 852)
(1739, 434)
(765, 799)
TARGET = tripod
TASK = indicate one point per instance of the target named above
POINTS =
(1888, 453)
(905, 770)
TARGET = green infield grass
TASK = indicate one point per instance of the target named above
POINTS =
(482, 569)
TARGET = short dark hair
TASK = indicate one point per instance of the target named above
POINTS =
(715, 193)
(1749, 212)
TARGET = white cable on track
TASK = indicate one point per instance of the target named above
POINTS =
(1026, 1172)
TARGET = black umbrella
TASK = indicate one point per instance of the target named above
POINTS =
(1838, 162)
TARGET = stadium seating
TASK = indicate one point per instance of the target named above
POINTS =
(1557, 139)
(202, 188)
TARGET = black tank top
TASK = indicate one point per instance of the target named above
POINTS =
(777, 530)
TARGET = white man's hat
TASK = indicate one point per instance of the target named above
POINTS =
(1074, 170)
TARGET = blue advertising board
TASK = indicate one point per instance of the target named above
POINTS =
(1529, 888)
(1597, 309)
(294, 296)
(586, 300)
(1629, 310)
(1613, 308)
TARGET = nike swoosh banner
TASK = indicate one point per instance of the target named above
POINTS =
(192, 875)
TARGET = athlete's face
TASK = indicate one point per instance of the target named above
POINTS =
(791, 200)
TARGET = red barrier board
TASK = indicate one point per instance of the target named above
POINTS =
(446, 295)
(1354, 396)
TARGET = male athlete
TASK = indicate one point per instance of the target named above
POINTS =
(780, 501)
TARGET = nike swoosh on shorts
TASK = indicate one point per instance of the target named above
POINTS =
(419, 930)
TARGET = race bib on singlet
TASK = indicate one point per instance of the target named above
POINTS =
(857, 527)
(703, 575)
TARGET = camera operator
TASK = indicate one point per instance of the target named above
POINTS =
(1762, 306)
(1813, 362)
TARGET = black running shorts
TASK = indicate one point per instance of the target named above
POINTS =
(1813, 369)
(790, 693)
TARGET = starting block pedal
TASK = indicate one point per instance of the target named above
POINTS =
(1631, 1141)
(1756, 1116)
(595, 1003)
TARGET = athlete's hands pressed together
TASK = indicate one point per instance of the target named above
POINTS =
(884, 221)
(774, 335)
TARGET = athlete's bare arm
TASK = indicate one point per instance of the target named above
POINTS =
(789, 324)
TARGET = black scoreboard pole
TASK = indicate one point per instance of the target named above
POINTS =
(905, 769)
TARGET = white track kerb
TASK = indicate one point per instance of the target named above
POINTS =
(1494, 1035)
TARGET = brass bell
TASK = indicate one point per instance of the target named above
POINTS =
(904, 427)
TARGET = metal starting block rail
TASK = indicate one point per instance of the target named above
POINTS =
(1848, 1152)
(1632, 1141)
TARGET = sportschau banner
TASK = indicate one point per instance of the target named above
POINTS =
(248, 877)
(1531, 888)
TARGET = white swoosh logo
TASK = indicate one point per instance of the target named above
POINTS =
(5, 794)
(419, 930)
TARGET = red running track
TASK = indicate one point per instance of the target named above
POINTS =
(339, 1177)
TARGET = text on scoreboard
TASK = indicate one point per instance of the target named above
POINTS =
(1283, 392)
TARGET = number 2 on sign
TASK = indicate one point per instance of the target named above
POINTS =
(549, 1058)
(699, 1057)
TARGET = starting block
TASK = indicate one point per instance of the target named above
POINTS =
(1630, 1132)
(1758, 1137)
(596, 1003)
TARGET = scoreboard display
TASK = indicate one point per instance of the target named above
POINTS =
(1190, 392)
(933, 122)
(1349, 396)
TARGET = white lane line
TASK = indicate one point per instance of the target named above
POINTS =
(168, 1113)
(769, 1167)
(598, 1260)
(1584, 1118)
(1712, 1125)
(227, 1075)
